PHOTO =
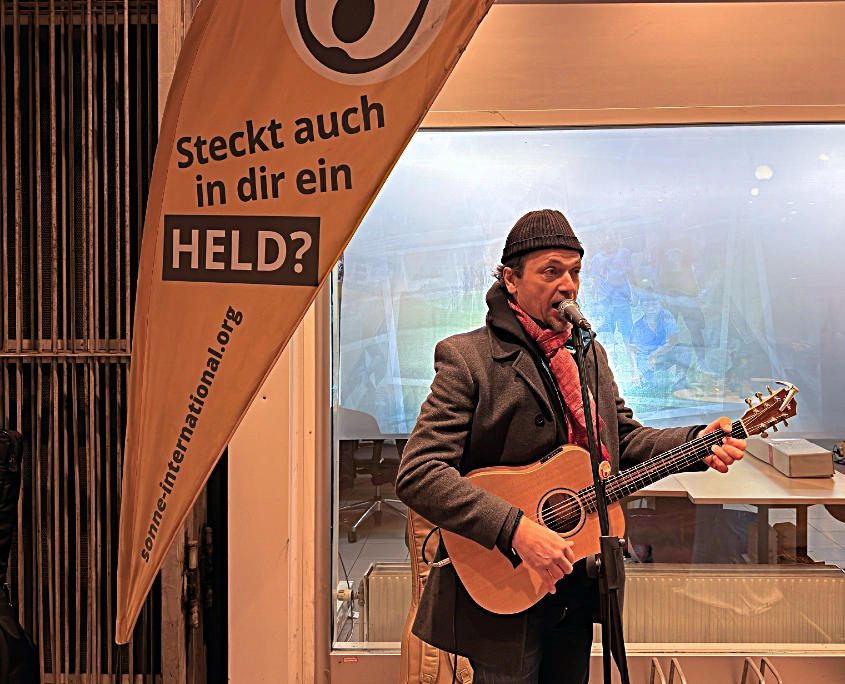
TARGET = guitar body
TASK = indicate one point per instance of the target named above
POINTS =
(541, 490)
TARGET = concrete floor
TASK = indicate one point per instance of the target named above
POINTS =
(825, 534)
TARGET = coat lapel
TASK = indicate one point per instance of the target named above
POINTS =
(527, 370)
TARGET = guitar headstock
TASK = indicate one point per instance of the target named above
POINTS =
(774, 409)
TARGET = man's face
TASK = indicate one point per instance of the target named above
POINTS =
(550, 276)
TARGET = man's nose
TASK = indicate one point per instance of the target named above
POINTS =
(566, 286)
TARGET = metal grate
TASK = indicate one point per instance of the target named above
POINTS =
(78, 87)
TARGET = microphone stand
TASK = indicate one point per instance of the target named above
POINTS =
(609, 566)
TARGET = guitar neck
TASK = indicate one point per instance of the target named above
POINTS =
(677, 460)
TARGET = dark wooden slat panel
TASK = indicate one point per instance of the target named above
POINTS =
(74, 180)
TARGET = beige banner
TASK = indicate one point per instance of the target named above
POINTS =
(283, 121)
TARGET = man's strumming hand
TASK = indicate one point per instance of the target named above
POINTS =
(544, 551)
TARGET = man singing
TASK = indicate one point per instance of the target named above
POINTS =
(508, 394)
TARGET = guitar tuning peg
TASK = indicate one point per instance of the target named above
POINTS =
(768, 389)
(759, 396)
(748, 401)
(775, 428)
(764, 434)
(785, 424)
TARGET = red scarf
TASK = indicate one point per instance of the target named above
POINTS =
(566, 374)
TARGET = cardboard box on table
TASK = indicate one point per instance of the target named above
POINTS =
(792, 456)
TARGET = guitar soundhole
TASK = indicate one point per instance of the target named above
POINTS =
(561, 512)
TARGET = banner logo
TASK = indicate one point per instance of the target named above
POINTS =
(261, 250)
(360, 42)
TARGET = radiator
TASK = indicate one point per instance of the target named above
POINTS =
(385, 595)
(674, 604)
(734, 604)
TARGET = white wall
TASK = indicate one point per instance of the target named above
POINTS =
(636, 63)
(279, 462)
(259, 542)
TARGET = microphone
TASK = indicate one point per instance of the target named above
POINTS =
(570, 311)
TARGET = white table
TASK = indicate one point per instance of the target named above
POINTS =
(753, 482)
(668, 486)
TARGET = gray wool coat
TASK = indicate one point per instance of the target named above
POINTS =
(492, 403)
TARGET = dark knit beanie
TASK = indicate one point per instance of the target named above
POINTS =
(542, 229)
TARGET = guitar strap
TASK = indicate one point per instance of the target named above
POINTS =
(421, 663)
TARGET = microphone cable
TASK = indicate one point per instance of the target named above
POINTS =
(596, 364)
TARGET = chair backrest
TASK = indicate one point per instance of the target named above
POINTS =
(353, 424)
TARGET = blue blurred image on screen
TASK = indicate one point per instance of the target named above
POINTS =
(728, 238)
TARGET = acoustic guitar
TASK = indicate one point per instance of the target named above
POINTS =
(557, 491)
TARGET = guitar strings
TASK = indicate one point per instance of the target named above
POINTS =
(616, 487)
(620, 481)
(630, 477)
(685, 455)
(662, 462)
(680, 455)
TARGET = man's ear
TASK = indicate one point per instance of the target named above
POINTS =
(508, 277)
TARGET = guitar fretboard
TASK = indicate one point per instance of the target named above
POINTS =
(648, 472)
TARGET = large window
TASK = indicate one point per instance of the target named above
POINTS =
(729, 238)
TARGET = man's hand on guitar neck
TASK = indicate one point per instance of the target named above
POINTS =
(731, 450)
(544, 551)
